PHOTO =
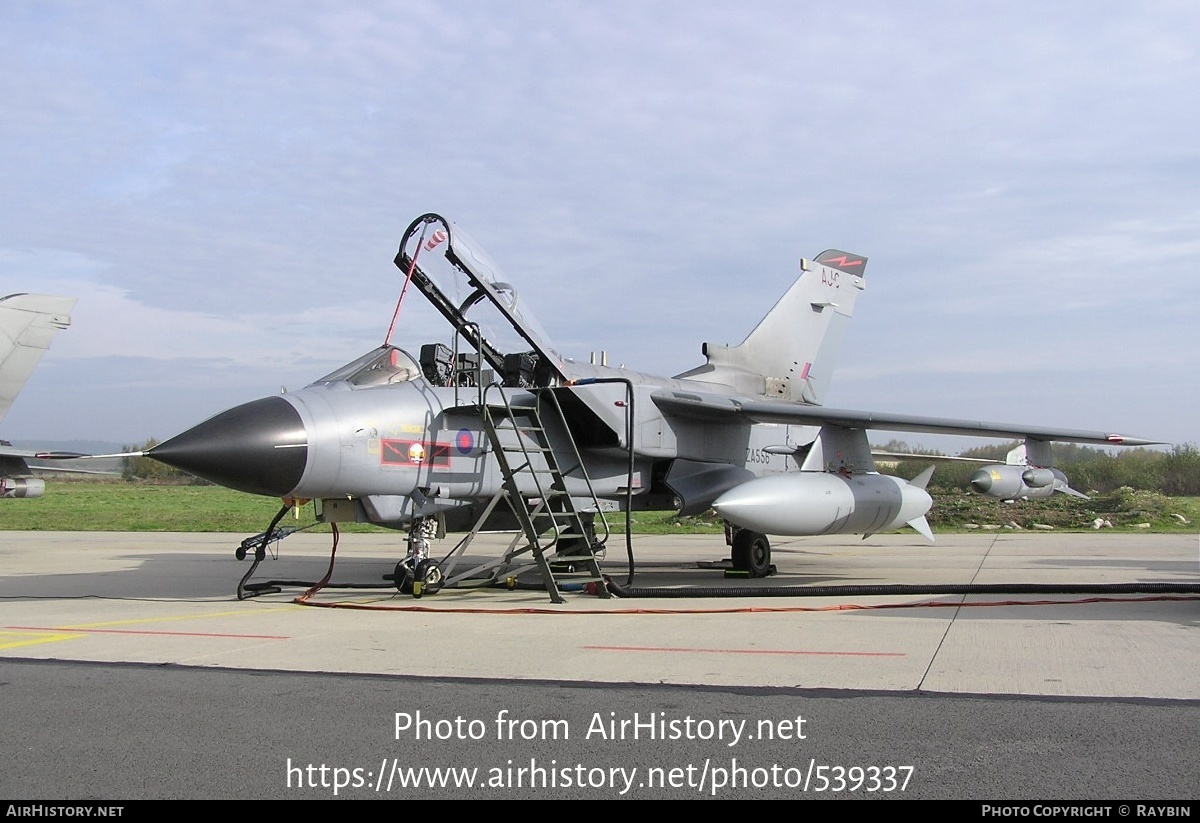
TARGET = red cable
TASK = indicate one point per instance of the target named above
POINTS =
(404, 290)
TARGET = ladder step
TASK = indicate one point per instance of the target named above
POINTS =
(523, 450)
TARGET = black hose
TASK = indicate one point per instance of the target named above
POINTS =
(904, 589)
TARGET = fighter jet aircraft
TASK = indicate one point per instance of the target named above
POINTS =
(28, 322)
(492, 427)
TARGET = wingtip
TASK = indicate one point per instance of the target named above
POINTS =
(1125, 440)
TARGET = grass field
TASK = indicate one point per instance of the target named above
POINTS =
(114, 505)
(77, 504)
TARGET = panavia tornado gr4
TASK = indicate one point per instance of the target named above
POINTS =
(491, 428)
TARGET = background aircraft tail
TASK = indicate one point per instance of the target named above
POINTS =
(790, 354)
(28, 322)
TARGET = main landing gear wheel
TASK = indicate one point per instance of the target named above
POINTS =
(752, 553)
(428, 578)
(573, 543)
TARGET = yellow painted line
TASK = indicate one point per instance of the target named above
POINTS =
(143, 620)
(76, 630)
(25, 639)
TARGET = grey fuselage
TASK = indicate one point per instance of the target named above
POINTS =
(411, 448)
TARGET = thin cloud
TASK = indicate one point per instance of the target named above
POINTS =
(227, 183)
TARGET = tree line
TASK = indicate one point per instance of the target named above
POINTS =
(1175, 472)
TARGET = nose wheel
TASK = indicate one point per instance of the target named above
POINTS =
(403, 576)
(427, 578)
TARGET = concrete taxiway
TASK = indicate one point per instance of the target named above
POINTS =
(133, 648)
(170, 598)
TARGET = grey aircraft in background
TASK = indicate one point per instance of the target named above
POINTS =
(491, 428)
(28, 322)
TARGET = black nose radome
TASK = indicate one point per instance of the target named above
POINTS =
(259, 447)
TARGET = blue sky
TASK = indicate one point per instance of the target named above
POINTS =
(223, 186)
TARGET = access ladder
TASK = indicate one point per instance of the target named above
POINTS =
(535, 485)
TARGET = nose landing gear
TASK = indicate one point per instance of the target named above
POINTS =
(418, 574)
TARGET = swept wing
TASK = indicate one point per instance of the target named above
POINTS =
(706, 406)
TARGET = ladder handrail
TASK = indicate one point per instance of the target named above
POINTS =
(587, 480)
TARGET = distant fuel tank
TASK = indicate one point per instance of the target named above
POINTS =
(1017, 482)
(809, 503)
(22, 487)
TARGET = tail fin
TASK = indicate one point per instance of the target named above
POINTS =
(790, 353)
(28, 322)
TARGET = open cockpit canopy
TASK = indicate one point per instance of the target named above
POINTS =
(468, 288)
